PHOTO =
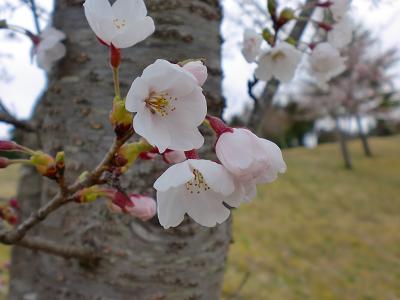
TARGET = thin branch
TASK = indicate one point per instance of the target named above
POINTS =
(15, 235)
(66, 251)
(7, 117)
(35, 16)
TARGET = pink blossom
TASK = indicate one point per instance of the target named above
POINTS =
(174, 157)
(252, 160)
(198, 70)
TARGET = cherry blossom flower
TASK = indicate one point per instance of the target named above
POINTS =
(339, 8)
(198, 70)
(325, 62)
(123, 24)
(342, 33)
(169, 106)
(198, 188)
(48, 48)
(252, 160)
(280, 62)
(251, 45)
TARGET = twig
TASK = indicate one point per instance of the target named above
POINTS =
(17, 235)
(7, 117)
(35, 16)
(66, 251)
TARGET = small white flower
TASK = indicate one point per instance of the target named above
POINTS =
(339, 8)
(170, 106)
(250, 159)
(198, 188)
(280, 62)
(49, 48)
(342, 33)
(123, 24)
(325, 62)
(198, 70)
(251, 45)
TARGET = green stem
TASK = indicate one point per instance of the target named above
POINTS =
(116, 82)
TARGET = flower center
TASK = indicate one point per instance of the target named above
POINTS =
(119, 23)
(160, 104)
(278, 56)
(197, 184)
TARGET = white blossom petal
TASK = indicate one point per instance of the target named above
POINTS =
(174, 176)
(169, 209)
(131, 35)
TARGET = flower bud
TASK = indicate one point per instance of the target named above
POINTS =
(128, 154)
(120, 118)
(9, 146)
(44, 164)
(325, 26)
(14, 203)
(90, 194)
(198, 70)
(4, 162)
(272, 6)
(60, 162)
(121, 200)
(8, 214)
(218, 125)
(286, 15)
(144, 207)
(268, 36)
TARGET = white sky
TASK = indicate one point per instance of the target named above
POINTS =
(21, 93)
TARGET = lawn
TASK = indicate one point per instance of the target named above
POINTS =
(322, 232)
(318, 233)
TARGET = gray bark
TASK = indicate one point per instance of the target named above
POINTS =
(363, 137)
(343, 146)
(140, 260)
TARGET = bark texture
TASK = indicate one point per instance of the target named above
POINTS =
(342, 136)
(363, 137)
(141, 260)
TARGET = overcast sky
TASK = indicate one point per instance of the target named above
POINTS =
(27, 81)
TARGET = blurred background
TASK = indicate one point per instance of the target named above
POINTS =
(329, 227)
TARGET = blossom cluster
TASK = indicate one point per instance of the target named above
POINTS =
(169, 106)
(165, 106)
(281, 59)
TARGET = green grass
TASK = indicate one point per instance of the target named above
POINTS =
(322, 232)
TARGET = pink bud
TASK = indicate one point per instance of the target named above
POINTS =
(4, 162)
(218, 125)
(198, 70)
(121, 200)
(173, 156)
(8, 146)
(144, 207)
(14, 203)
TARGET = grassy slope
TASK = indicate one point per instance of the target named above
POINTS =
(321, 232)
(318, 233)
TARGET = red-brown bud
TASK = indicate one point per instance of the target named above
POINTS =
(4, 162)
(9, 146)
(218, 125)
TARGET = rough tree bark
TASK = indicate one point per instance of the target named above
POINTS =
(140, 260)
(342, 136)
(363, 137)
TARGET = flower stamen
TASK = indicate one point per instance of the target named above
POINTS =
(119, 23)
(197, 184)
(160, 104)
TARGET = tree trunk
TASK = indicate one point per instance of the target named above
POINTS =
(363, 136)
(140, 260)
(343, 146)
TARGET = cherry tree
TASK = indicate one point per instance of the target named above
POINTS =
(92, 217)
